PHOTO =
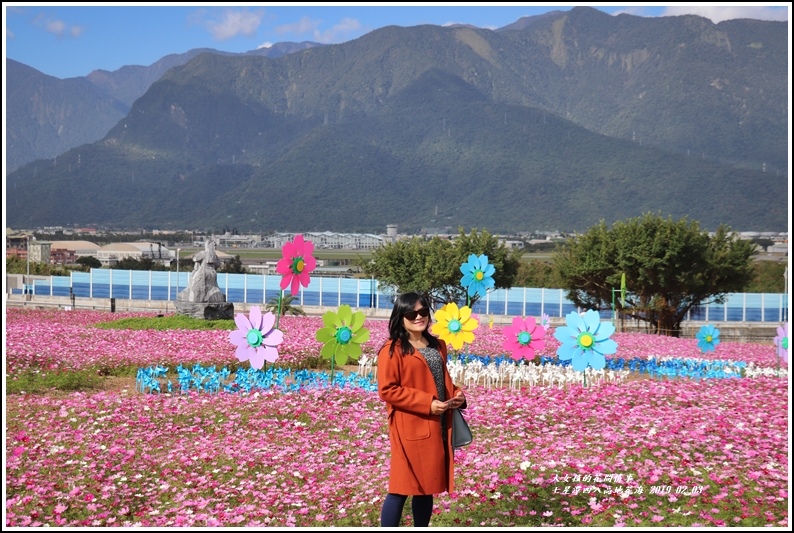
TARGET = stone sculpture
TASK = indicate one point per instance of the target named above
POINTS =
(203, 298)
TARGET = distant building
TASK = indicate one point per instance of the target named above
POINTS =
(328, 240)
(68, 252)
(17, 243)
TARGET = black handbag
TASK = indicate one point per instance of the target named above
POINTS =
(461, 434)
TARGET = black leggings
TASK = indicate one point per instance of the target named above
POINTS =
(421, 507)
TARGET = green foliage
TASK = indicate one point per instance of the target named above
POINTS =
(432, 266)
(287, 305)
(166, 322)
(670, 266)
(38, 381)
(233, 266)
(144, 263)
(17, 265)
(768, 276)
(537, 273)
(89, 261)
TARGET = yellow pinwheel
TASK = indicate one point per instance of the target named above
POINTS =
(455, 326)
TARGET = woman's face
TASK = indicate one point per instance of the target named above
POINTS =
(418, 323)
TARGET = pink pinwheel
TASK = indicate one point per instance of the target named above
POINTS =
(296, 264)
(781, 341)
(544, 321)
(524, 338)
(256, 339)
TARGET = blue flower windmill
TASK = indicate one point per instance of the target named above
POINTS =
(708, 338)
(585, 341)
(477, 276)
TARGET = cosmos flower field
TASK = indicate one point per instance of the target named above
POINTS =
(648, 451)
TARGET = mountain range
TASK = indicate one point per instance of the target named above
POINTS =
(554, 122)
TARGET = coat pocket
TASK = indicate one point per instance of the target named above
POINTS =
(412, 427)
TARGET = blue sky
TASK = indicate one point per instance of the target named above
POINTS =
(65, 40)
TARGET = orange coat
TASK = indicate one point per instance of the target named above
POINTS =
(420, 464)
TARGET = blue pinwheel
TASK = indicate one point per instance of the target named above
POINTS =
(477, 275)
(585, 340)
(708, 338)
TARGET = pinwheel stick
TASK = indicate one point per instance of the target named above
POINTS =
(778, 358)
(333, 358)
(278, 313)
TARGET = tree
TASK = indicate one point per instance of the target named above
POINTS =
(89, 261)
(286, 306)
(143, 263)
(671, 267)
(431, 267)
(537, 273)
(233, 266)
(768, 276)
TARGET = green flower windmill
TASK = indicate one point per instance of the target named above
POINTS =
(342, 336)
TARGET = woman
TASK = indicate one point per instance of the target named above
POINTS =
(414, 382)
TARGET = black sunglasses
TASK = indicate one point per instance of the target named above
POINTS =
(411, 315)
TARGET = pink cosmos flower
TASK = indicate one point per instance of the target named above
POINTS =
(524, 338)
(256, 339)
(296, 264)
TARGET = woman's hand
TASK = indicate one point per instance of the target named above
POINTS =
(438, 408)
(458, 400)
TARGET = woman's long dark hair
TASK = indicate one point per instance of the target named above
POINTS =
(397, 332)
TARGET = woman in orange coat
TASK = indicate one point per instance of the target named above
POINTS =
(414, 382)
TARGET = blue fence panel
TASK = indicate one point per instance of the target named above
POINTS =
(329, 289)
(349, 289)
(310, 297)
(161, 286)
(61, 285)
(772, 307)
(140, 285)
(497, 302)
(752, 311)
(81, 284)
(366, 293)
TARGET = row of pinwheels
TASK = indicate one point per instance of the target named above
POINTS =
(257, 336)
(584, 339)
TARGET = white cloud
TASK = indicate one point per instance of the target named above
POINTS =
(233, 23)
(338, 32)
(264, 45)
(720, 13)
(713, 12)
(304, 26)
(58, 27)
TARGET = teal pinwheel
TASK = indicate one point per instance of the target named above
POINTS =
(708, 338)
(342, 335)
(477, 275)
(585, 340)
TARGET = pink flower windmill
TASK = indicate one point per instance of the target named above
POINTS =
(524, 338)
(296, 264)
(256, 338)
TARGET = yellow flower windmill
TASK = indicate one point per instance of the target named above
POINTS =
(455, 326)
